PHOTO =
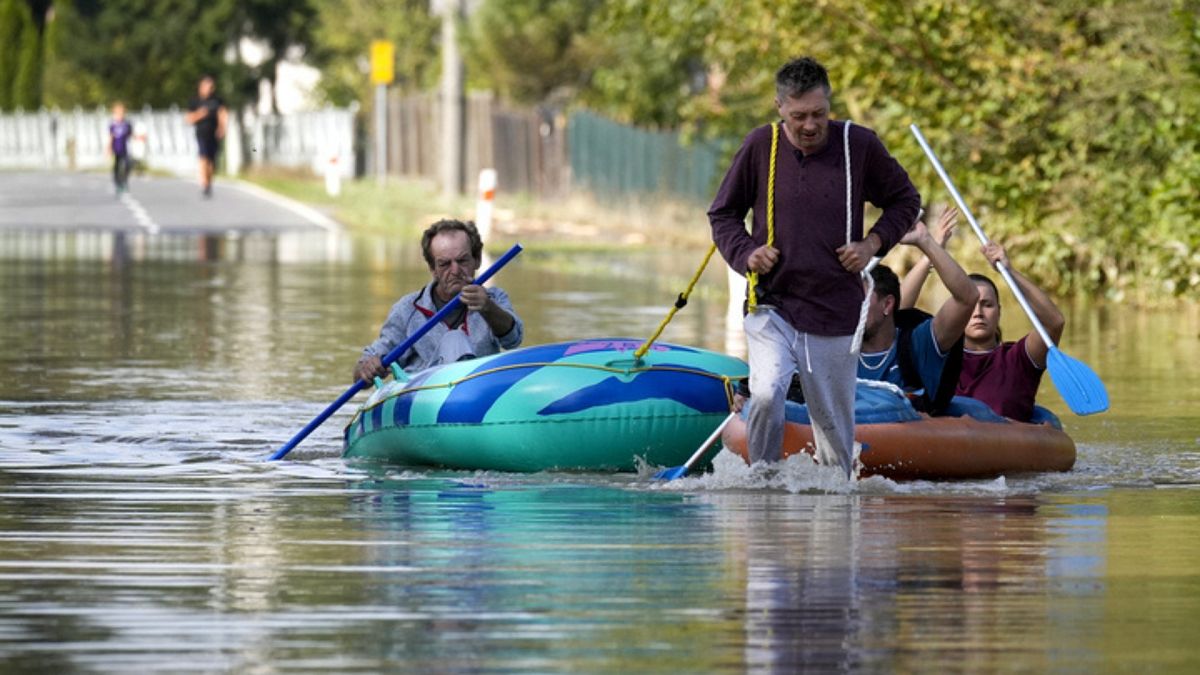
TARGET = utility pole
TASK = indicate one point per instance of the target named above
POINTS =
(453, 99)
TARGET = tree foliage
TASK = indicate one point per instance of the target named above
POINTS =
(528, 50)
(15, 25)
(65, 84)
(282, 26)
(153, 52)
(342, 39)
(27, 84)
(1069, 125)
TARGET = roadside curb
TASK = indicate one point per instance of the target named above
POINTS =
(305, 211)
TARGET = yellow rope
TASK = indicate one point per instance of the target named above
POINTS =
(679, 304)
(752, 277)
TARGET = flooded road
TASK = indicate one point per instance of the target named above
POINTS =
(143, 381)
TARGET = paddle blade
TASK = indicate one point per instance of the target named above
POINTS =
(1078, 384)
(672, 473)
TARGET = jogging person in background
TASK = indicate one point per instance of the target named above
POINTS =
(207, 113)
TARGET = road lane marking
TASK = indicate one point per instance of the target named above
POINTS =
(139, 213)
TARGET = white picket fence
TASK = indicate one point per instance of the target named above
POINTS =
(78, 139)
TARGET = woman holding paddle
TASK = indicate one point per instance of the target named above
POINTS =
(1004, 375)
(1080, 386)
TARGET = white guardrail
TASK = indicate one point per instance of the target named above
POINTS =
(78, 139)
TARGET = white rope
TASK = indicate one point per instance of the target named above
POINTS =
(882, 384)
(846, 149)
(856, 343)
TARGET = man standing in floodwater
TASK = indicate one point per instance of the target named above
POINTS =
(806, 179)
(207, 113)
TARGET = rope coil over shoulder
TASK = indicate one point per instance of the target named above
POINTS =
(752, 277)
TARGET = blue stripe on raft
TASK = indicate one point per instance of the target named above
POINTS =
(470, 401)
(377, 417)
(402, 402)
(654, 384)
(402, 408)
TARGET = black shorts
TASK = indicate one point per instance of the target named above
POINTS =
(209, 147)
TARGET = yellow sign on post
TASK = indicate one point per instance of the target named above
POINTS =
(383, 61)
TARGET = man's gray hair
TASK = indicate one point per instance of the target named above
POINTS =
(799, 76)
(451, 226)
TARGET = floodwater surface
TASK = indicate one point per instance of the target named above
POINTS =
(143, 382)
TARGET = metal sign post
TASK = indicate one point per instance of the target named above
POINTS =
(383, 71)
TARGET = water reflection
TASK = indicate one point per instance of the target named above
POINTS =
(462, 574)
(143, 380)
(122, 247)
(847, 583)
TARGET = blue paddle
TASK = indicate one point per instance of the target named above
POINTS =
(679, 471)
(1078, 384)
(391, 356)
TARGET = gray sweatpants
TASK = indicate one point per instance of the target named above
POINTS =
(827, 372)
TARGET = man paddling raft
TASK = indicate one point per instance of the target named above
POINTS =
(485, 324)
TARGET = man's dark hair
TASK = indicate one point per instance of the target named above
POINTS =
(451, 226)
(886, 283)
(799, 76)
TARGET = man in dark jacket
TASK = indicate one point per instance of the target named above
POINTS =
(807, 179)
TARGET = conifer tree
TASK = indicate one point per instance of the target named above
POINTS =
(27, 85)
(11, 14)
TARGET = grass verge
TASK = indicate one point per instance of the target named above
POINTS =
(579, 222)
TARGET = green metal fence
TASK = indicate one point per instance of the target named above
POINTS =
(614, 160)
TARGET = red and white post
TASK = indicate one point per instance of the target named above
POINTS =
(483, 208)
(333, 176)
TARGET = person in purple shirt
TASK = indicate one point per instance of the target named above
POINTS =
(119, 131)
(1004, 375)
(804, 255)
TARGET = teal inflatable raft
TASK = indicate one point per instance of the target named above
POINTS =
(587, 405)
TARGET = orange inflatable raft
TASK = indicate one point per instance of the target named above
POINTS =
(901, 444)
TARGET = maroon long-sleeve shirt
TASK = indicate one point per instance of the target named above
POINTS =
(808, 285)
